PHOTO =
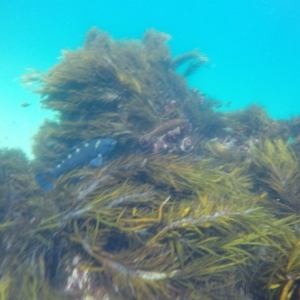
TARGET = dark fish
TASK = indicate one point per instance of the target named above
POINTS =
(87, 152)
(25, 104)
(228, 104)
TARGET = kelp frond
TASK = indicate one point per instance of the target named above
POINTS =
(194, 59)
(278, 170)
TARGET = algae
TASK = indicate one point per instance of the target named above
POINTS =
(193, 203)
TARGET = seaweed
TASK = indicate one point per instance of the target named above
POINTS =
(279, 174)
(193, 203)
(197, 61)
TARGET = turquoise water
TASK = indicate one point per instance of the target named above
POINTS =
(253, 47)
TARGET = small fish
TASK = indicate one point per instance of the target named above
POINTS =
(87, 152)
(25, 104)
(228, 104)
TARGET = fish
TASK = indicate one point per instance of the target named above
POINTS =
(88, 152)
(25, 104)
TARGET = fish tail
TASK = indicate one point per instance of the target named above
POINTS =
(43, 179)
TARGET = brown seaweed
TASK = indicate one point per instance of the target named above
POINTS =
(217, 221)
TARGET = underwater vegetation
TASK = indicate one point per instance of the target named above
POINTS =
(188, 203)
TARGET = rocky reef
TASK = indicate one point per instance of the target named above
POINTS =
(193, 203)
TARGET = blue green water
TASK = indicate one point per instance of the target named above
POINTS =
(253, 47)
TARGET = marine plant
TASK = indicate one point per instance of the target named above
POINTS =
(192, 204)
(278, 173)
